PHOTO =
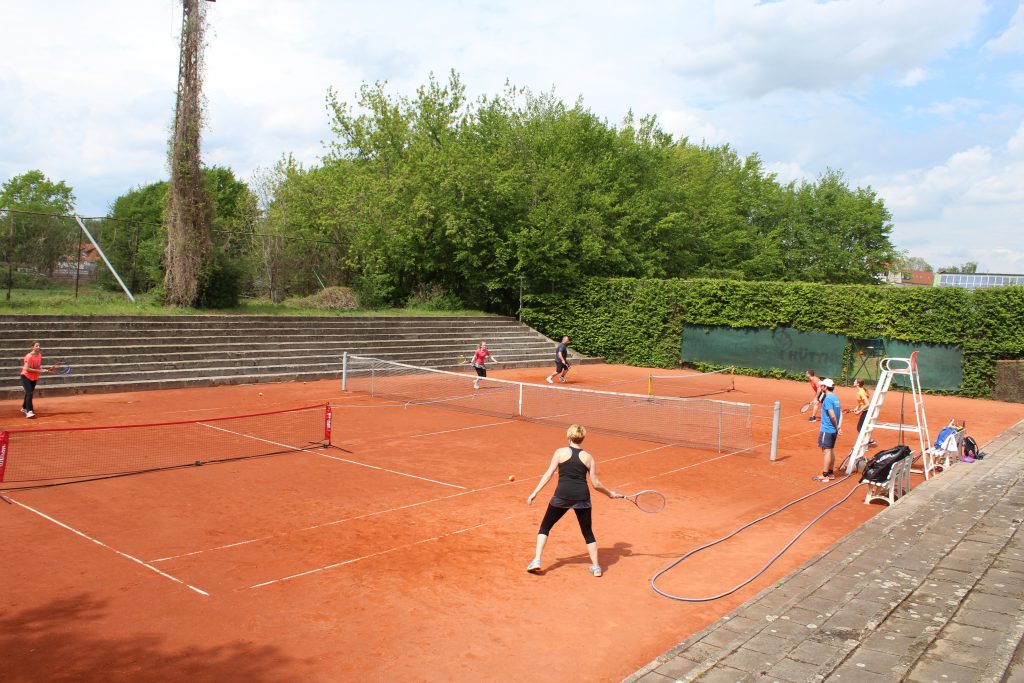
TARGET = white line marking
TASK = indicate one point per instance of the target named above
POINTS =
(220, 547)
(104, 545)
(385, 469)
(316, 451)
(366, 557)
(338, 521)
(460, 429)
(630, 455)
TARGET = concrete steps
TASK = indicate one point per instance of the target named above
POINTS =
(131, 353)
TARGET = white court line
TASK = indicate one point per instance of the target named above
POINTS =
(460, 429)
(315, 451)
(104, 545)
(336, 521)
(385, 469)
(366, 557)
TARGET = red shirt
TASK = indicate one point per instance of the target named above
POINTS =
(816, 385)
(481, 356)
(35, 364)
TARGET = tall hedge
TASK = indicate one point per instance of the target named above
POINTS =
(640, 321)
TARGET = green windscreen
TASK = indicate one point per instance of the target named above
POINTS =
(941, 366)
(783, 348)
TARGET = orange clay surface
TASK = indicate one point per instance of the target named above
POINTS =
(404, 558)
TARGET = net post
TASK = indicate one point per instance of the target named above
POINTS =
(344, 371)
(4, 440)
(520, 405)
(732, 377)
(327, 424)
(720, 407)
(650, 384)
(776, 413)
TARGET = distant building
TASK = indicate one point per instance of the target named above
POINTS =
(908, 278)
(86, 268)
(977, 280)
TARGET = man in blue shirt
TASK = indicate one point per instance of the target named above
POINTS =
(831, 425)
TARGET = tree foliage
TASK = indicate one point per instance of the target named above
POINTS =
(35, 232)
(134, 235)
(524, 190)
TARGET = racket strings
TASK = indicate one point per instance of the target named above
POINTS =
(649, 501)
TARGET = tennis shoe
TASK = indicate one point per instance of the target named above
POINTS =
(533, 567)
(23, 411)
(30, 414)
(595, 570)
(562, 379)
(548, 379)
(812, 419)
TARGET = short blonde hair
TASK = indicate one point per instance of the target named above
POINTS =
(576, 433)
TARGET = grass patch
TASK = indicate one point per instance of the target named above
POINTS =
(93, 300)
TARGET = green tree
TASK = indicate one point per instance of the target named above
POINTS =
(969, 267)
(37, 234)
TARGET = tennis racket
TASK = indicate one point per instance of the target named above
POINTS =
(807, 406)
(462, 360)
(647, 501)
(59, 367)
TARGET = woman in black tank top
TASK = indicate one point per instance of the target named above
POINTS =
(573, 464)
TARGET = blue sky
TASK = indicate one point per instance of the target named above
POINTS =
(923, 100)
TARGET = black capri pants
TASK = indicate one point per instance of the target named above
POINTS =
(583, 516)
(29, 385)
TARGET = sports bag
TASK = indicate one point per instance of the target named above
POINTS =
(878, 467)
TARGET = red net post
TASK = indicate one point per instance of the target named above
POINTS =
(327, 426)
(4, 440)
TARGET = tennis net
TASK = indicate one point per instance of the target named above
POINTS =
(702, 384)
(700, 423)
(31, 456)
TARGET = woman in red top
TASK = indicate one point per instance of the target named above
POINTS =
(819, 393)
(31, 368)
(480, 357)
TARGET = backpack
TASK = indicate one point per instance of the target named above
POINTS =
(971, 452)
(877, 469)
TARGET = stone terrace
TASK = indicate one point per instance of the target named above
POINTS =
(929, 590)
(130, 353)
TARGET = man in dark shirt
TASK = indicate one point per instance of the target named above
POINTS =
(561, 361)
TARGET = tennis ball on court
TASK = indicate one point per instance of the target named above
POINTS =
(261, 393)
(511, 477)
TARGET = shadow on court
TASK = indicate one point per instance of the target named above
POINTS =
(71, 639)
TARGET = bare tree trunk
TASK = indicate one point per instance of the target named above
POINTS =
(189, 215)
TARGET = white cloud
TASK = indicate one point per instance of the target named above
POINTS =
(1016, 143)
(912, 77)
(967, 208)
(694, 124)
(951, 108)
(1012, 39)
(756, 48)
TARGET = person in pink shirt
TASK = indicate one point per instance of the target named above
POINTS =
(819, 393)
(480, 357)
(31, 368)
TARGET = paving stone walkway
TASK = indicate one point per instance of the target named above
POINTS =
(930, 590)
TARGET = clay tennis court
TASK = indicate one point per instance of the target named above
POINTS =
(399, 553)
